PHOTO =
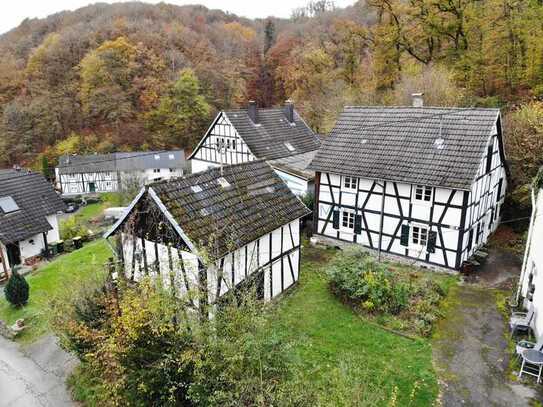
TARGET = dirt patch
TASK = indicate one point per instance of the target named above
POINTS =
(470, 343)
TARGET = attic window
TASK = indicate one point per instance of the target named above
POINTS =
(439, 143)
(363, 141)
(223, 182)
(289, 146)
(196, 188)
(157, 156)
(204, 212)
(8, 205)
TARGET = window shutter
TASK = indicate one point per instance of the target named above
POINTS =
(336, 220)
(357, 224)
(404, 238)
(431, 245)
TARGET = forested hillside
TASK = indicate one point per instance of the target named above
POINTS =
(137, 76)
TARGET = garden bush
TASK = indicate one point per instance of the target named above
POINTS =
(71, 228)
(17, 289)
(383, 289)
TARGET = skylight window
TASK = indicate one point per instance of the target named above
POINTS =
(157, 156)
(196, 188)
(8, 204)
(439, 143)
(204, 212)
(171, 157)
(223, 182)
(289, 146)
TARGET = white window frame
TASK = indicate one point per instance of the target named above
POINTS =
(171, 156)
(425, 192)
(348, 217)
(347, 183)
(418, 235)
(157, 156)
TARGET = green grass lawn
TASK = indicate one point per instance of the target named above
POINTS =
(51, 280)
(346, 359)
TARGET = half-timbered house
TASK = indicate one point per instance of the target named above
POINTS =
(96, 173)
(214, 231)
(423, 183)
(277, 135)
(28, 217)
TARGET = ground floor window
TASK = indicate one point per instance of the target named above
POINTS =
(419, 236)
(348, 220)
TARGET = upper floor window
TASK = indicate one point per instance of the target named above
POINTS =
(419, 236)
(233, 144)
(350, 182)
(423, 193)
(172, 169)
(171, 156)
(156, 170)
(348, 220)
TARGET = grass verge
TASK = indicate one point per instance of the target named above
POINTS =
(52, 280)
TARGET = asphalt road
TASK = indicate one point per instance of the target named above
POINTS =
(35, 375)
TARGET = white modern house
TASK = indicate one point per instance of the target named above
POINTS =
(421, 183)
(277, 135)
(530, 286)
(213, 232)
(79, 175)
(28, 217)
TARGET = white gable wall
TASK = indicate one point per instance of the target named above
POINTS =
(236, 151)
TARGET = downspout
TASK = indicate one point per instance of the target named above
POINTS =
(527, 249)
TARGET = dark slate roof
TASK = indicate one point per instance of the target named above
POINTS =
(256, 202)
(129, 161)
(35, 198)
(267, 139)
(296, 164)
(401, 144)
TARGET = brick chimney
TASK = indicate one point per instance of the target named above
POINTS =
(289, 110)
(252, 111)
(418, 100)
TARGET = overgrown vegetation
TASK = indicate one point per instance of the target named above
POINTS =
(141, 346)
(402, 299)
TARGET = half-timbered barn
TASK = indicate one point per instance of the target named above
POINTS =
(96, 173)
(214, 231)
(423, 183)
(28, 217)
(277, 135)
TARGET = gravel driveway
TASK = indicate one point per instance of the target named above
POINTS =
(35, 375)
(470, 343)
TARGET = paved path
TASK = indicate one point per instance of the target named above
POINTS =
(34, 376)
(469, 348)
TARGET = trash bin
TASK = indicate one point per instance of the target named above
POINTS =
(53, 249)
(60, 246)
(78, 243)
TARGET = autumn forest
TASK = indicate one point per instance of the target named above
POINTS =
(137, 76)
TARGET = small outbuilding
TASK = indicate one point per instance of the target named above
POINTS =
(215, 231)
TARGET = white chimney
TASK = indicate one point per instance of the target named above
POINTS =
(418, 100)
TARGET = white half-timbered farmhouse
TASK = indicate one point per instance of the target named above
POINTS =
(424, 183)
(531, 278)
(79, 175)
(215, 232)
(278, 135)
(28, 217)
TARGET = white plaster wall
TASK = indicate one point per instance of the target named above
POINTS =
(31, 247)
(54, 234)
(297, 185)
(199, 165)
(534, 265)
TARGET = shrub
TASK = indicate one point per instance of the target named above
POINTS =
(355, 273)
(17, 289)
(71, 228)
(378, 288)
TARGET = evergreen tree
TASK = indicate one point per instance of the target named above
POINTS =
(16, 290)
